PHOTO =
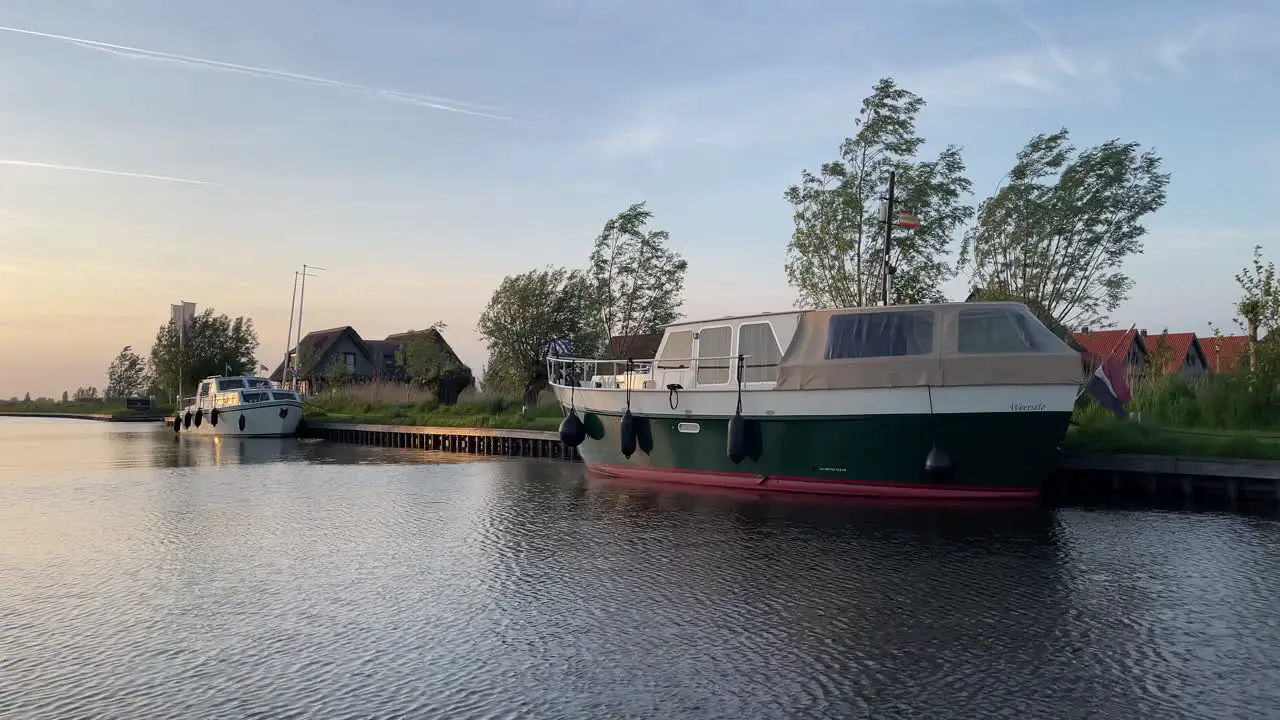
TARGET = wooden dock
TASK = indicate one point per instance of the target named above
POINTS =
(471, 441)
(1157, 478)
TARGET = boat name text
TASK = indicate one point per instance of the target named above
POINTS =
(1026, 407)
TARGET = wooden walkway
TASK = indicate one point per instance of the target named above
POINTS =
(472, 441)
(1153, 477)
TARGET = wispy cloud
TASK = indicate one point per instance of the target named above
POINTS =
(790, 103)
(427, 101)
(1215, 36)
(102, 171)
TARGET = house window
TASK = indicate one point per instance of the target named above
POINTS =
(757, 342)
(714, 345)
(998, 330)
(350, 360)
(677, 351)
(879, 334)
(389, 361)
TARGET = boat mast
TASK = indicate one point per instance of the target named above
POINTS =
(301, 299)
(288, 345)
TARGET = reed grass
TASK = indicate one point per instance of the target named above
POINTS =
(1234, 414)
(383, 402)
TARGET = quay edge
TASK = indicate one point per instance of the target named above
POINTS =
(1077, 475)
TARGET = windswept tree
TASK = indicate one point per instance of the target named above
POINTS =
(126, 375)
(836, 254)
(212, 345)
(1057, 233)
(1259, 305)
(637, 281)
(525, 315)
(427, 360)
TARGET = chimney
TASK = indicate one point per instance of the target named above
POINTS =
(1143, 332)
(1084, 328)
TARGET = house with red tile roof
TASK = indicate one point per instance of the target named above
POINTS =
(1226, 353)
(1098, 345)
(1184, 354)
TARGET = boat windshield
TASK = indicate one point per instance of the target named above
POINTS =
(1003, 331)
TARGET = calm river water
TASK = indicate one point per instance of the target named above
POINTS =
(142, 576)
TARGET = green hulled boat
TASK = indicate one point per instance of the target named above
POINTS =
(957, 400)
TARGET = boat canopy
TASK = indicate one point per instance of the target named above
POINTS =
(956, 344)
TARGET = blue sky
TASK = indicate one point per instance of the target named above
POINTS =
(331, 134)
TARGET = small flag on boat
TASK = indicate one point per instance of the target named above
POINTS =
(1109, 386)
(264, 368)
(228, 369)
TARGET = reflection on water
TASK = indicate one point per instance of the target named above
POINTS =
(143, 575)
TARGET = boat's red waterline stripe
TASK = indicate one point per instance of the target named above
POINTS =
(821, 486)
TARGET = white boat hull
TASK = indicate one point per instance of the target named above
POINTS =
(259, 420)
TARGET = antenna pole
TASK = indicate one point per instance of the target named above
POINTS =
(301, 299)
(293, 300)
(888, 237)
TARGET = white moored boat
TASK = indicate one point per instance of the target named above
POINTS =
(240, 407)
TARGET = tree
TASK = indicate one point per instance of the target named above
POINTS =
(65, 396)
(836, 254)
(26, 398)
(526, 313)
(126, 375)
(213, 345)
(1160, 359)
(337, 374)
(1057, 233)
(637, 281)
(86, 393)
(1259, 305)
(428, 361)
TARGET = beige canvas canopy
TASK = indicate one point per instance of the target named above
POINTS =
(956, 344)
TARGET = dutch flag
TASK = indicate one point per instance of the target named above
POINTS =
(1109, 386)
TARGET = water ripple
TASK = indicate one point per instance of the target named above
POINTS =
(143, 576)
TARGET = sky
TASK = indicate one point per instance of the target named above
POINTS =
(158, 151)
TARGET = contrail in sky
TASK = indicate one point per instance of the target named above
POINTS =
(427, 101)
(102, 171)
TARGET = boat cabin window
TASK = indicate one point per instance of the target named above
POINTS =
(757, 342)
(258, 383)
(1002, 331)
(880, 334)
(234, 384)
(204, 389)
(283, 396)
(253, 397)
(714, 344)
(678, 350)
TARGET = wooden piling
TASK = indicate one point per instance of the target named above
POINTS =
(471, 441)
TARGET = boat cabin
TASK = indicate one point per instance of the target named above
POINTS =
(972, 343)
(219, 392)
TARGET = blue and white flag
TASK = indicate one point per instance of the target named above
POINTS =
(560, 347)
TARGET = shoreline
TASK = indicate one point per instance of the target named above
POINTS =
(1080, 471)
(100, 417)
